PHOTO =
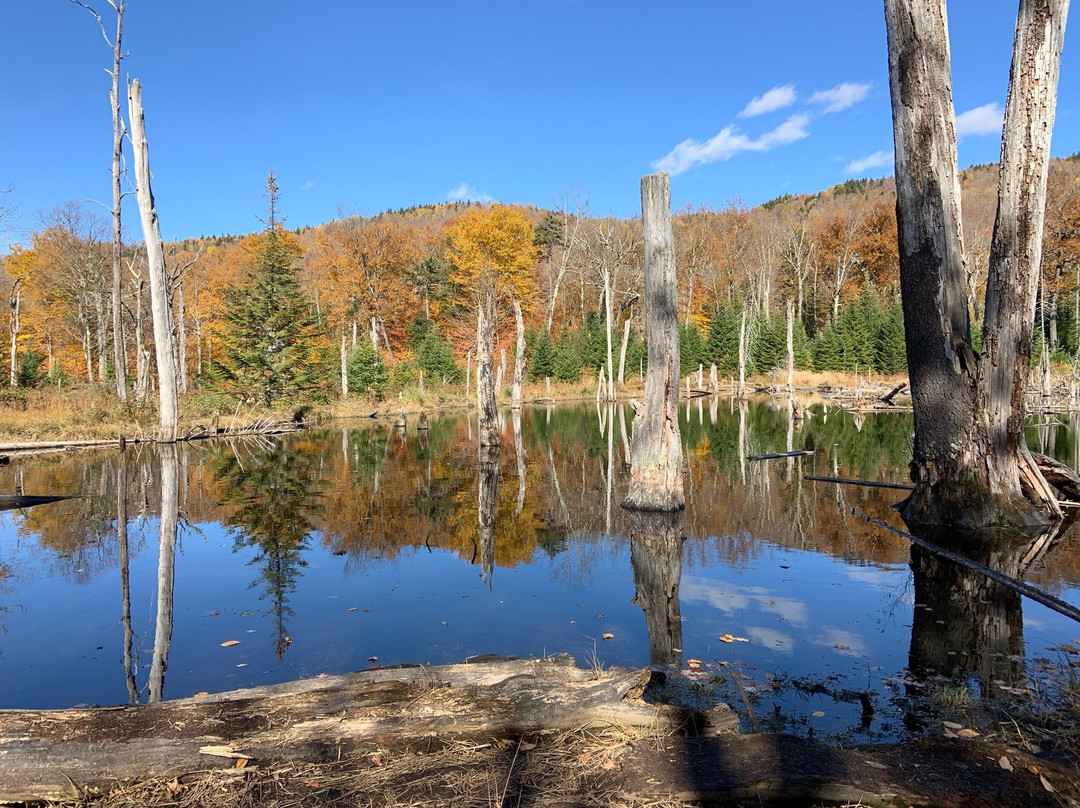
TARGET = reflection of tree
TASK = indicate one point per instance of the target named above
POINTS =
(485, 512)
(656, 554)
(964, 623)
(276, 492)
(125, 581)
(167, 522)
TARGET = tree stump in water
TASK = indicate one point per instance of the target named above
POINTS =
(656, 482)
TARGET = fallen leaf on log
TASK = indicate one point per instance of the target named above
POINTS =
(1046, 783)
(968, 733)
(1005, 764)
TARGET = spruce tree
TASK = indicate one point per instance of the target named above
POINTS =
(270, 335)
(541, 356)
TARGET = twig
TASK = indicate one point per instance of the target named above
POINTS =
(780, 454)
(746, 702)
(509, 774)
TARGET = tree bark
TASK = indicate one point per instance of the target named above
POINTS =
(519, 356)
(485, 384)
(164, 339)
(968, 458)
(14, 326)
(656, 481)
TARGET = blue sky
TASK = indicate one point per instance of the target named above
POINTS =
(361, 106)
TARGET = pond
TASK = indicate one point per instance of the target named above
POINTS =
(226, 564)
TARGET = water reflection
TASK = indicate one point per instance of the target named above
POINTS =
(656, 555)
(274, 489)
(366, 542)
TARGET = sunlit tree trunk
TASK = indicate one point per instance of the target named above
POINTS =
(164, 338)
(970, 465)
(656, 481)
(14, 326)
(485, 383)
(344, 367)
(519, 356)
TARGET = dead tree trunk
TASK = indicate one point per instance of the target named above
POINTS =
(968, 461)
(519, 356)
(14, 326)
(485, 384)
(656, 482)
(164, 339)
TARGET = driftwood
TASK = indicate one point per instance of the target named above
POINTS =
(44, 753)
(888, 397)
(845, 481)
(777, 455)
(1037, 595)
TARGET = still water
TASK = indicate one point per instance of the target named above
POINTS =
(220, 565)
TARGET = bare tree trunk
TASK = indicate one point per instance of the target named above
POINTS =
(14, 326)
(125, 577)
(790, 347)
(968, 456)
(1016, 248)
(742, 356)
(610, 390)
(485, 384)
(162, 316)
(142, 369)
(119, 358)
(344, 368)
(181, 336)
(622, 349)
(519, 356)
(656, 453)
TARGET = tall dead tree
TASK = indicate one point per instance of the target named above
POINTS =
(119, 355)
(485, 382)
(656, 481)
(970, 465)
(519, 355)
(164, 338)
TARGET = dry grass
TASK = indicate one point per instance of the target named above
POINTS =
(553, 772)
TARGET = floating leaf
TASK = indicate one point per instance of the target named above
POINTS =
(608, 635)
(840, 647)
(353, 608)
(817, 714)
(694, 663)
(1070, 649)
(727, 638)
(201, 693)
(372, 659)
(230, 643)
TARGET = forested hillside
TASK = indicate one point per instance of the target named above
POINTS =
(364, 305)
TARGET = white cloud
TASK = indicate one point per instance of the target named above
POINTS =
(466, 192)
(774, 99)
(878, 159)
(727, 143)
(984, 120)
(841, 96)
(307, 186)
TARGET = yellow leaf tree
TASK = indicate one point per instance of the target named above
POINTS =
(492, 253)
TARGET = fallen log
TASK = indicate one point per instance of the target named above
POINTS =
(888, 397)
(48, 754)
(845, 481)
(777, 455)
(10, 502)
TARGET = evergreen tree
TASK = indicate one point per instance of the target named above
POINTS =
(541, 356)
(891, 349)
(269, 336)
(691, 348)
(366, 369)
(566, 364)
(593, 343)
(435, 357)
(722, 344)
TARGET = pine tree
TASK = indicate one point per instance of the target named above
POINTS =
(366, 369)
(722, 345)
(541, 356)
(891, 350)
(435, 357)
(270, 336)
(691, 348)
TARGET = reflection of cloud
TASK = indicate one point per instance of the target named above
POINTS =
(771, 639)
(774, 99)
(728, 599)
(831, 637)
(871, 573)
(984, 120)
(794, 611)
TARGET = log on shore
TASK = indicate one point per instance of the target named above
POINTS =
(49, 754)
